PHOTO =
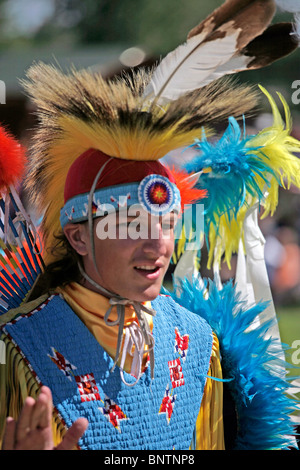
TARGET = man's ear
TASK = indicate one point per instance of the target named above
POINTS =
(77, 235)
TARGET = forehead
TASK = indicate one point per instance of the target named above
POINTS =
(136, 212)
(133, 224)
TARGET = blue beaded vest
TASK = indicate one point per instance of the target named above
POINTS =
(153, 414)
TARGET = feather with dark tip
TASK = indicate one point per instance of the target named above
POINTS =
(209, 47)
(276, 42)
(250, 17)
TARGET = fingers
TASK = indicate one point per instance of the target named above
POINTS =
(9, 437)
(42, 412)
(35, 414)
(48, 396)
(73, 434)
(24, 423)
(33, 430)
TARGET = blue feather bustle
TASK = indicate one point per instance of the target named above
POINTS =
(248, 362)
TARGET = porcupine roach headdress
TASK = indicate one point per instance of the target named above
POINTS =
(141, 118)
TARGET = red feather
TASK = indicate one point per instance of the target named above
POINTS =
(186, 185)
(12, 159)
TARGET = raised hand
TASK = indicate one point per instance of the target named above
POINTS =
(33, 429)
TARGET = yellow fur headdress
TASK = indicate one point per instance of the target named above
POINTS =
(82, 111)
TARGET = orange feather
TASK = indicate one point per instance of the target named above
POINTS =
(12, 160)
(186, 185)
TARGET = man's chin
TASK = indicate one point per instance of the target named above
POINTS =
(148, 294)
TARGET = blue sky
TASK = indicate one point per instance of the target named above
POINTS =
(26, 17)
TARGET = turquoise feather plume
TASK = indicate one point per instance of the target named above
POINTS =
(236, 172)
(248, 359)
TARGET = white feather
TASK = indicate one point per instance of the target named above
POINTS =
(237, 63)
(213, 49)
(293, 6)
(190, 66)
(296, 31)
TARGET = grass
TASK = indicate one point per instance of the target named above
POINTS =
(289, 327)
(289, 323)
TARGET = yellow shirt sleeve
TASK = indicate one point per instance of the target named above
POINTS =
(209, 425)
(16, 383)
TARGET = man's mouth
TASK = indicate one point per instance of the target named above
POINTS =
(147, 269)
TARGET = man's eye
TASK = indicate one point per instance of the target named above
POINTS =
(168, 226)
(134, 224)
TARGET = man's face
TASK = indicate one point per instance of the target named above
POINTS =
(132, 253)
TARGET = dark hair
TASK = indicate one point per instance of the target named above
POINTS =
(60, 272)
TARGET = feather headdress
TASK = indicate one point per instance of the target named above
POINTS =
(236, 36)
(20, 260)
(82, 111)
(245, 170)
(145, 116)
(12, 160)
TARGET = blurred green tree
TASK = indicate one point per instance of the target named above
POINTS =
(157, 25)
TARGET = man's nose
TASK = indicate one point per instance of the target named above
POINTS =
(156, 241)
